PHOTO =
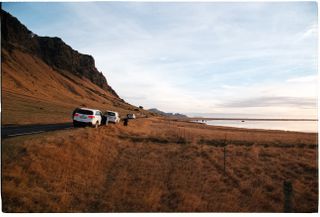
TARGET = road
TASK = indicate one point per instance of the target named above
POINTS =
(13, 131)
(20, 130)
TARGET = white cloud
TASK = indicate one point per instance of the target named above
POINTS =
(304, 79)
(312, 31)
(195, 57)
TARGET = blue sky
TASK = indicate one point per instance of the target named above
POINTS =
(255, 59)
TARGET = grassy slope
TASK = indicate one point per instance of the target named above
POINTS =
(33, 92)
(157, 165)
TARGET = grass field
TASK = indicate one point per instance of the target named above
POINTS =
(159, 165)
(34, 93)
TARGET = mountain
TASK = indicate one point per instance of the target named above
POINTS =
(44, 79)
(53, 51)
(171, 115)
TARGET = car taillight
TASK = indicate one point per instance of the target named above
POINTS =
(76, 115)
(91, 116)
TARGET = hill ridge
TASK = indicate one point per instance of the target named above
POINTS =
(44, 79)
(52, 50)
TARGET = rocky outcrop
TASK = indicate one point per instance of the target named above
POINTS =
(52, 50)
(171, 115)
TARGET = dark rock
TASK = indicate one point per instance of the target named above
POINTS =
(52, 50)
(173, 115)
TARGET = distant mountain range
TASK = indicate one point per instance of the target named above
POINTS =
(173, 115)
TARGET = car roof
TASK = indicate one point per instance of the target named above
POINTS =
(90, 109)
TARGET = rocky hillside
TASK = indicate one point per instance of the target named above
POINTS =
(170, 115)
(44, 79)
(52, 51)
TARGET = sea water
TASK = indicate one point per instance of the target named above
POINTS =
(298, 126)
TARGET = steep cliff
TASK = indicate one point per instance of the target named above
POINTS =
(52, 51)
(44, 79)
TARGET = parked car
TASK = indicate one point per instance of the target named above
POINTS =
(87, 117)
(131, 116)
(112, 116)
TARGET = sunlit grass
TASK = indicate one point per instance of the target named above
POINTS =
(159, 165)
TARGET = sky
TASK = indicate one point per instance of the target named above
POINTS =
(214, 58)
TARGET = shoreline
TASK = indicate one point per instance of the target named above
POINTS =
(255, 129)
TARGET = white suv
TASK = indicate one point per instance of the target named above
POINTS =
(87, 117)
(112, 116)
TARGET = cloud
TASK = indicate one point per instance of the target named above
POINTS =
(312, 31)
(181, 63)
(273, 102)
(197, 57)
(310, 78)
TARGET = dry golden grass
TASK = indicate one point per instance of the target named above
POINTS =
(159, 165)
(29, 87)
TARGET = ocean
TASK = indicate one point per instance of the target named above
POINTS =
(298, 126)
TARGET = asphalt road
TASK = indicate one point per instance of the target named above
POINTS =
(12, 131)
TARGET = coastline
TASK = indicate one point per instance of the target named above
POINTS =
(289, 125)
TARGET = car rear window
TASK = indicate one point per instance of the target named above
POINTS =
(84, 112)
(111, 114)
